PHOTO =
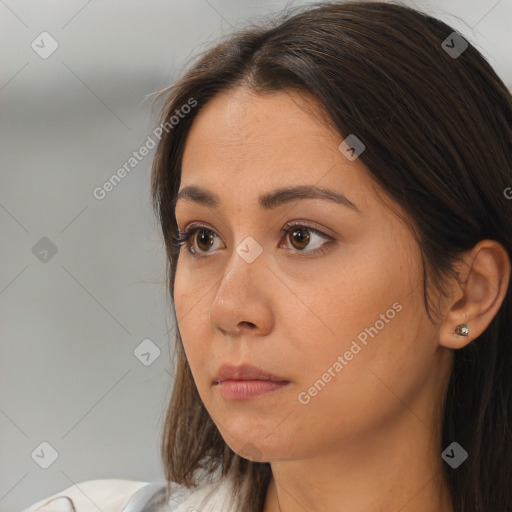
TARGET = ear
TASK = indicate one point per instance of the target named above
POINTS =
(484, 274)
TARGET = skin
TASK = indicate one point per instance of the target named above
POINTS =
(369, 440)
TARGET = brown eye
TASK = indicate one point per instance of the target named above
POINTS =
(204, 236)
(200, 239)
(299, 237)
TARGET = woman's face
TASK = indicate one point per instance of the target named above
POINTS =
(337, 312)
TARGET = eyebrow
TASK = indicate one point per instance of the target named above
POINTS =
(272, 199)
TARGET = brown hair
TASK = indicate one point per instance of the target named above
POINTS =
(437, 131)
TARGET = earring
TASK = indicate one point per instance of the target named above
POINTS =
(462, 329)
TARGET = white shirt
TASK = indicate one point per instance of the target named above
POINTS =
(116, 495)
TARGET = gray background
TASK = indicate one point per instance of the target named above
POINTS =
(70, 324)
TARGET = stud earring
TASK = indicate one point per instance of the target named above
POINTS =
(462, 329)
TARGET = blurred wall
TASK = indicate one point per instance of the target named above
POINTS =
(85, 323)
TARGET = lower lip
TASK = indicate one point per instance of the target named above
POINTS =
(248, 389)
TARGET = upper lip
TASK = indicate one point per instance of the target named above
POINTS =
(244, 372)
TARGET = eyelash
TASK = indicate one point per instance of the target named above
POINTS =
(184, 239)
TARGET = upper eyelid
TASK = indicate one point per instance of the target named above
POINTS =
(192, 228)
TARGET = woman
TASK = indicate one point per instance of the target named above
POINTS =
(334, 194)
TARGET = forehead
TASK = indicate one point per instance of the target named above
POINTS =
(238, 119)
(242, 144)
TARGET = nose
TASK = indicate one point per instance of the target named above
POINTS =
(244, 299)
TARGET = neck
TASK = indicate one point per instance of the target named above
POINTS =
(400, 471)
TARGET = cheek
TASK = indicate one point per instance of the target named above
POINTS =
(192, 314)
(182, 305)
(350, 295)
(367, 313)
(190, 290)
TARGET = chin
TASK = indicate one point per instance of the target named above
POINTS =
(257, 445)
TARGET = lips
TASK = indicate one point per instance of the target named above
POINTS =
(244, 372)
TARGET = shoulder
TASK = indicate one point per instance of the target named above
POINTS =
(110, 495)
